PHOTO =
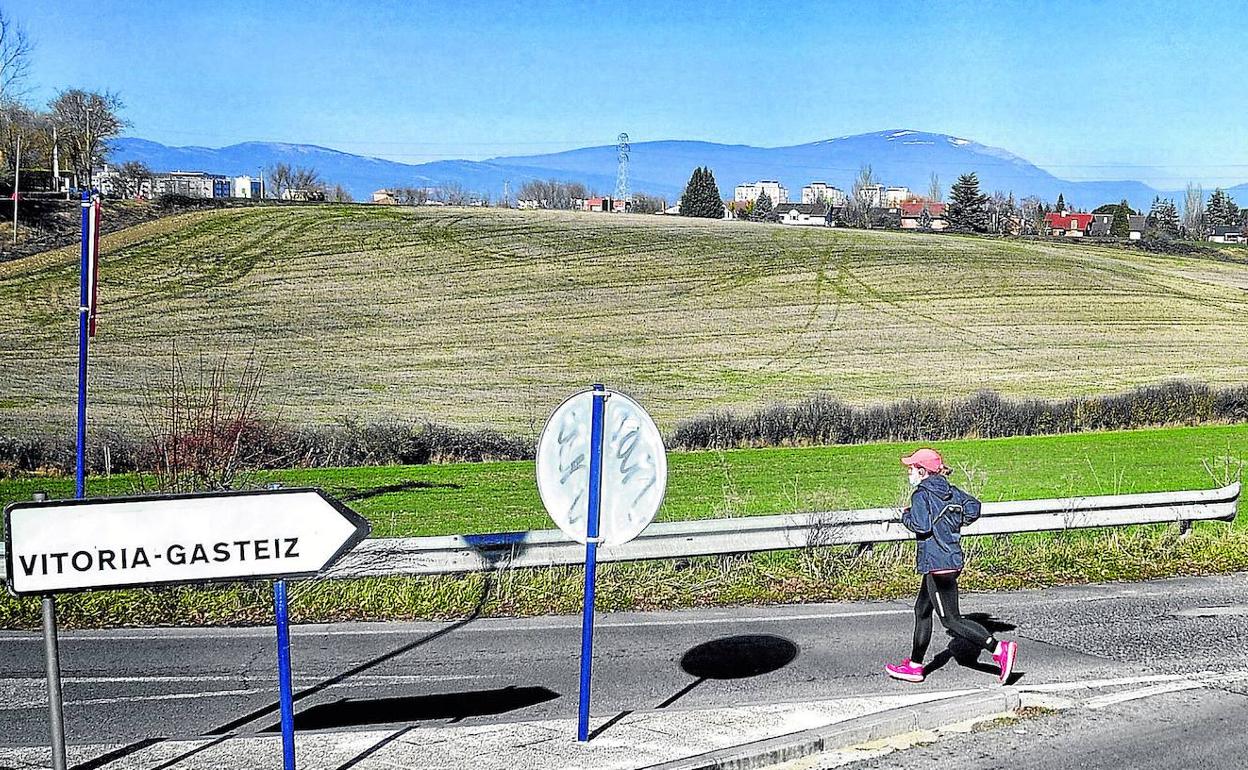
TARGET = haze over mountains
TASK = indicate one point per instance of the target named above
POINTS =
(899, 157)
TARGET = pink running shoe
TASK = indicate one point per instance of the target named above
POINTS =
(1004, 657)
(905, 671)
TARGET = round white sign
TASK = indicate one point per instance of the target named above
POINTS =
(634, 468)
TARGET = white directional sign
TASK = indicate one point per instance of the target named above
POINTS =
(634, 468)
(70, 545)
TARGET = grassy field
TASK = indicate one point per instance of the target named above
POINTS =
(482, 497)
(497, 497)
(489, 317)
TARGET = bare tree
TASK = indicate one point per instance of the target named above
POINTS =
(647, 204)
(1194, 211)
(934, 191)
(340, 195)
(132, 174)
(857, 210)
(306, 180)
(279, 180)
(20, 124)
(15, 50)
(1033, 211)
(85, 121)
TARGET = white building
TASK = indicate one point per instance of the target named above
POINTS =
(193, 184)
(872, 195)
(752, 190)
(803, 214)
(895, 196)
(245, 187)
(817, 191)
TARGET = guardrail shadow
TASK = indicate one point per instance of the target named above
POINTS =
(377, 661)
(968, 655)
(452, 706)
(731, 657)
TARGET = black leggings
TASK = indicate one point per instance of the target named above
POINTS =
(940, 593)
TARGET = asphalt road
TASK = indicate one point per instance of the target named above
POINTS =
(129, 686)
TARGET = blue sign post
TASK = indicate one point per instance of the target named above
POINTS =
(84, 313)
(601, 474)
(285, 690)
(591, 555)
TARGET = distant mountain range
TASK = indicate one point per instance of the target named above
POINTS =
(899, 157)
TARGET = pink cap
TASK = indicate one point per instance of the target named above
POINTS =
(928, 459)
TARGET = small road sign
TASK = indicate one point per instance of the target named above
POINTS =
(634, 467)
(74, 545)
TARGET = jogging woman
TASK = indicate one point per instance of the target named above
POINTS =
(938, 511)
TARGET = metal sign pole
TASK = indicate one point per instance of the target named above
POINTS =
(283, 674)
(591, 554)
(51, 654)
(52, 663)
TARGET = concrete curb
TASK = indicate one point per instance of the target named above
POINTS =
(785, 748)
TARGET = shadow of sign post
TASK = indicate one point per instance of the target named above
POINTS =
(734, 657)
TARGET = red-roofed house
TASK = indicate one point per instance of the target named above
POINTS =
(914, 218)
(1064, 224)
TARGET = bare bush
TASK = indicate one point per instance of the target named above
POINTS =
(205, 426)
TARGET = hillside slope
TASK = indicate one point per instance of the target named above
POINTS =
(474, 316)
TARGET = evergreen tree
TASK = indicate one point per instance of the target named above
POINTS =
(762, 207)
(1061, 204)
(1221, 211)
(1121, 226)
(968, 207)
(701, 197)
(1164, 217)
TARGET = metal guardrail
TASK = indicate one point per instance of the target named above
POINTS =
(708, 537)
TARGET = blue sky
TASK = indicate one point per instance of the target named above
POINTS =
(1088, 90)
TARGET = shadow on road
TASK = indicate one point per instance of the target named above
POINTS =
(732, 657)
(968, 655)
(455, 706)
(327, 683)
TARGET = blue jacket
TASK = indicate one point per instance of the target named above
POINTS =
(938, 511)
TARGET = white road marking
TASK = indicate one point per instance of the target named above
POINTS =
(370, 678)
(134, 698)
(1095, 684)
(1112, 699)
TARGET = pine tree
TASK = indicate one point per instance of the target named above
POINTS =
(1221, 211)
(762, 207)
(968, 208)
(1121, 225)
(1061, 204)
(1165, 217)
(701, 197)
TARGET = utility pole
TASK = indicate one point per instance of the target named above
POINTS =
(17, 178)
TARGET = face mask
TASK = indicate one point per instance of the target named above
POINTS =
(915, 478)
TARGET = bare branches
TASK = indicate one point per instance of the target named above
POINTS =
(15, 50)
(204, 426)
(85, 121)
